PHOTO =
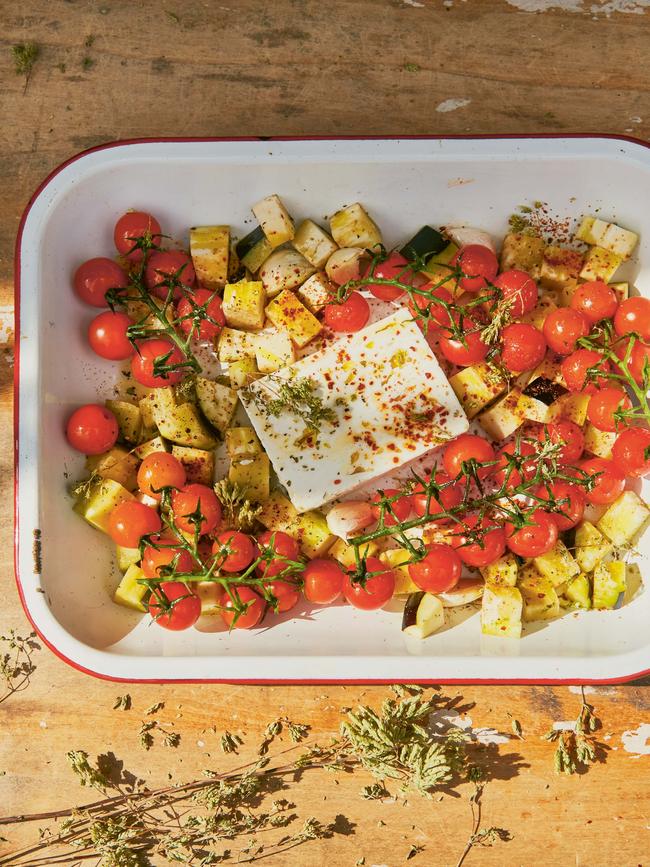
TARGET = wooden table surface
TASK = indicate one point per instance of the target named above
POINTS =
(112, 69)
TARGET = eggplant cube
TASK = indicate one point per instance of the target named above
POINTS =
(274, 220)
(284, 269)
(476, 386)
(353, 227)
(314, 243)
(218, 403)
(423, 615)
(287, 313)
(243, 305)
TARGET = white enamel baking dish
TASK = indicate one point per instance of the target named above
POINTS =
(65, 569)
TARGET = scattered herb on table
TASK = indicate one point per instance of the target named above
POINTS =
(16, 662)
(577, 748)
(25, 55)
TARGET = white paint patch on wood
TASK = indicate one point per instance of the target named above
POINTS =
(637, 741)
(547, 5)
(6, 324)
(444, 720)
(630, 7)
(567, 725)
(452, 105)
(595, 690)
(603, 7)
(413, 3)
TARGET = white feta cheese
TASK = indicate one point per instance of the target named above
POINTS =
(390, 400)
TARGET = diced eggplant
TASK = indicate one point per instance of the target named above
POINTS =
(423, 615)
(427, 242)
(274, 220)
(218, 403)
(624, 518)
(545, 390)
(316, 292)
(346, 264)
(254, 249)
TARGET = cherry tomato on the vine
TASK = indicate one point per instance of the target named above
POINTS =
(188, 500)
(596, 300)
(520, 450)
(610, 480)
(286, 595)
(204, 329)
(400, 508)
(392, 268)
(471, 351)
(535, 538)
(94, 278)
(639, 357)
(563, 328)
(107, 336)
(633, 315)
(523, 347)
(160, 470)
(479, 542)
(130, 521)
(323, 581)
(438, 315)
(252, 614)
(164, 266)
(142, 363)
(130, 228)
(438, 571)
(631, 452)
(92, 429)
(185, 606)
(569, 513)
(154, 559)
(449, 497)
(604, 404)
(375, 591)
(569, 435)
(478, 265)
(234, 551)
(575, 368)
(282, 548)
(519, 288)
(349, 316)
(465, 448)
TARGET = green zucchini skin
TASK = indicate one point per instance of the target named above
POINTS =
(425, 243)
(249, 241)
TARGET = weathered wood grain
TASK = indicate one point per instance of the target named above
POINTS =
(294, 67)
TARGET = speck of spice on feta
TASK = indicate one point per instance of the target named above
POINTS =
(387, 403)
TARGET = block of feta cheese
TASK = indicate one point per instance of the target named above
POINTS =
(386, 402)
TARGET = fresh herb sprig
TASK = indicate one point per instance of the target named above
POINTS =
(296, 396)
(577, 748)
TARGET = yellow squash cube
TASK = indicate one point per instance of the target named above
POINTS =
(522, 252)
(253, 475)
(353, 227)
(560, 266)
(210, 251)
(243, 372)
(624, 518)
(198, 464)
(558, 565)
(591, 546)
(287, 313)
(242, 442)
(130, 593)
(96, 505)
(397, 559)
(274, 219)
(117, 464)
(502, 573)
(314, 243)
(600, 264)
(243, 305)
(501, 612)
(234, 345)
(476, 386)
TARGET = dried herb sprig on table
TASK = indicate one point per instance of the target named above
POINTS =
(16, 662)
(577, 748)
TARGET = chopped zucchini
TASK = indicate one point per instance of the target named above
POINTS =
(591, 546)
(314, 243)
(502, 573)
(96, 505)
(198, 464)
(445, 256)
(571, 406)
(398, 559)
(148, 428)
(284, 269)
(234, 345)
(117, 464)
(423, 615)
(501, 612)
(426, 242)
(589, 230)
(537, 316)
(130, 593)
(274, 220)
(558, 564)
(560, 266)
(180, 423)
(476, 386)
(243, 372)
(218, 402)
(540, 600)
(156, 444)
(599, 442)
(274, 350)
(353, 227)
(600, 264)
(316, 292)
(242, 442)
(609, 583)
(288, 313)
(243, 305)
(129, 419)
(277, 512)
(543, 390)
(578, 591)
(253, 475)
(607, 235)
(523, 253)
(344, 553)
(210, 251)
(254, 249)
(126, 557)
(624, 519)
(309, 529)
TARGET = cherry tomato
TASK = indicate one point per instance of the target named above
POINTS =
(450, 497)
(351, 315)
(602, 406)
(142, 363)
(596, 300)
(287, 595)
(234, 551)
(206, 330)
(478, 266)
(390, 269)
(130, 521)
(527, 469)
(464, 448)
(570, 512)
(575, 367)
(563, 327)
(567, 434)
(283, 546)
(130, 228)
(534, 539)
(438, 571)
(160, 470)
(107, 336)
(92, 429)
(376, 590)
(479, 542)
(250, 617)
(94, 278)
(401, 508)
(188, 500)
(185, 611)
(438, 314)
(463, 354)
(154, 559)
(629, 452)
(610, 481)
(164, 265)
(323, 581)
(639, 355)
(519, 289)
(633, 315)
(523, 347)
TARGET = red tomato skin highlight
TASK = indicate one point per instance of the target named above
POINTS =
(92, 429)
(390, 269)
(572, 511)
(206, 330)
(187, 500)
(610, 484)
(142, 363)
(535, 540)
(438, 571)
(629, 452)
(130, 520)
(129, 228)
(350, 316)
(523, 347)
(575, 366)
(95, 277)
(107, 336)
(378, 588)
(475, 554)
(184, 613)
(596, 300)
(519, 288)
(251, 617)
(563, 328)
(478, 265)
(323, 581)
(163, 264)
(602, 406)
(633, 315)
